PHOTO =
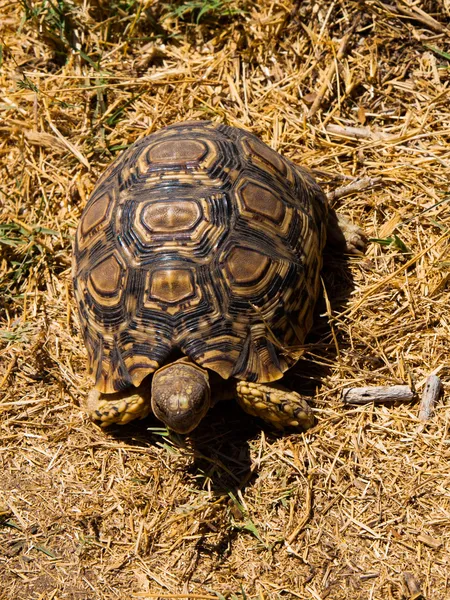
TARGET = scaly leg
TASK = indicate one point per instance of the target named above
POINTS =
(275, 404)
(344, 234)
(119, 408)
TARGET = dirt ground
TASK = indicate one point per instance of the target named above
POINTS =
(359, 505)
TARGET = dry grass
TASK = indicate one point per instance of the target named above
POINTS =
(344, 510)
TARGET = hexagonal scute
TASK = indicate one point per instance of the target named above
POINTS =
(264, 157)
(96, 216)
(106, 276)
(265, 206)
(100, 292)
(173, 291)
(171, 216)
(246, 267)
(188, 227)
(169, 154)
(178, 151)
(171, 285)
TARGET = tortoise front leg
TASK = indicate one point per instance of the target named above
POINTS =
(275, 404)
(118, 408)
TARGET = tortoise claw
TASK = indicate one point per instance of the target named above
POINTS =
(118, 408)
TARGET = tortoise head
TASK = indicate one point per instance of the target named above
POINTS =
(181, 395)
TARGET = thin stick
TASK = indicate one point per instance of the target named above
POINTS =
(417, 14)
(430, 396)
(355, 186)
(71, 147)
(357, 133)
(307, 515)
(377, 394)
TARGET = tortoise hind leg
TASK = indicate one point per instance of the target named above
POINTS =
(344, 234)
(119, 408)
(275, 404)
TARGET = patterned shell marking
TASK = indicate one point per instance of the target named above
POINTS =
(199, 238)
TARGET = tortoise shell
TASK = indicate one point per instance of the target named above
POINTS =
(198, 238)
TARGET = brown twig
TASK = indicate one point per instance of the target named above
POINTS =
(377, 394)
(355, 186)
(416, 14)
(430, 395)
(357, 133)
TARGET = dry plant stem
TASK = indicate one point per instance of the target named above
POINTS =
(430, 396)
(331, 176)
(355, 186)
(307, 515)
(357, 133)
(403, 268)
(378, 394)
(39, 138)
(417, 14)
(83, 160)
(9, 370)
(332, 68)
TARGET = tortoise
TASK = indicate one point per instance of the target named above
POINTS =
(198, 258)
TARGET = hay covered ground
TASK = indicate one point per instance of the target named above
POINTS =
(359, 506)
